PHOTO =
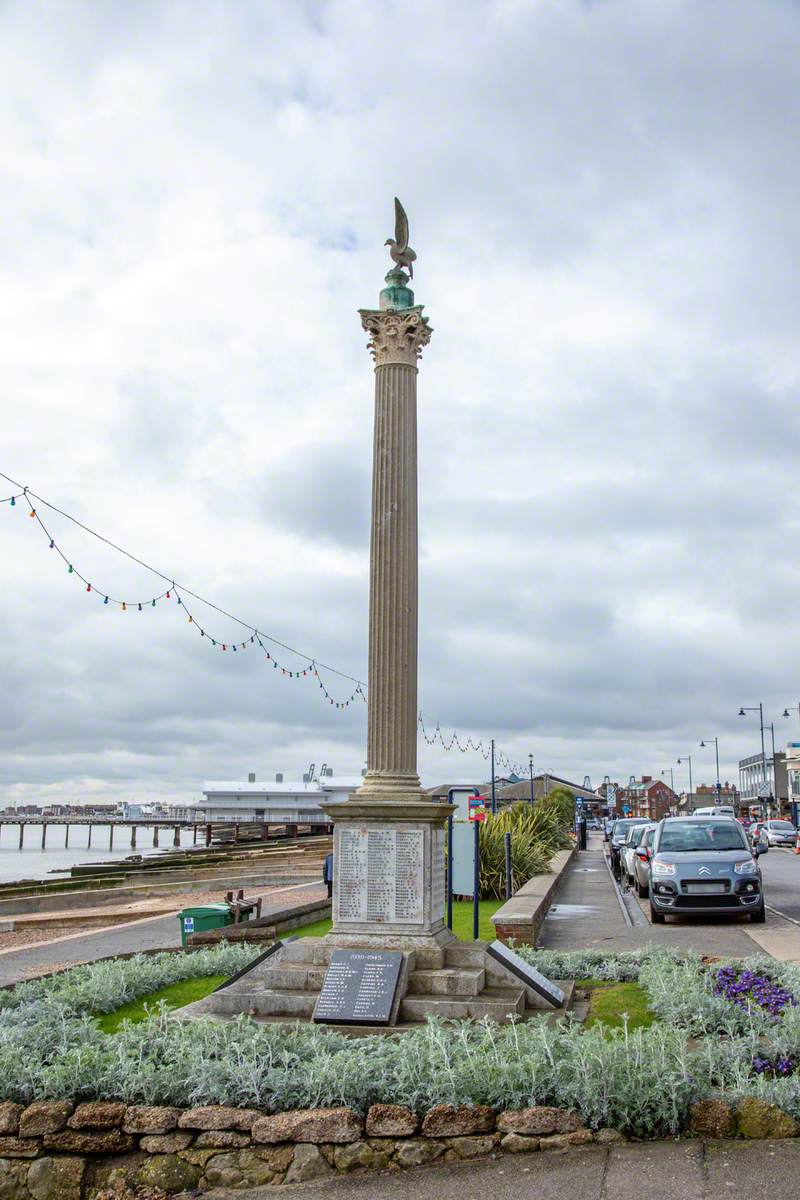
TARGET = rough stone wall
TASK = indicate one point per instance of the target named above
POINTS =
(56, 1151)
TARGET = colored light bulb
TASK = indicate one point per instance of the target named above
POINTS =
(168, 595)
(52, 543)
(153, 603)
(124, 606)
(32, 513)
(140, 608)
(190, 618)
(88, 587)
(106, 600)
(69, 572)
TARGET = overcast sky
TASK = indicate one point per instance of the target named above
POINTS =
(603, 198)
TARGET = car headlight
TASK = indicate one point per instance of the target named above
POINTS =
(662, 868)
(748, 867)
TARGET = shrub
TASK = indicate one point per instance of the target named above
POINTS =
(537, 832)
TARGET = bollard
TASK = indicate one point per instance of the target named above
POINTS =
(509, 888)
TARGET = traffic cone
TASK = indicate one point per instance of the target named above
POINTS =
(797, 843)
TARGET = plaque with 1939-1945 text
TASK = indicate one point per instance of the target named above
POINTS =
(359, 987)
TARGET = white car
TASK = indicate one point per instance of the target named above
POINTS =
(779, 833)
(628, 850)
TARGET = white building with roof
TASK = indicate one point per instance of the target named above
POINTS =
(277, 802)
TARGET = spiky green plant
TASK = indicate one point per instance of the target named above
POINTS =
(537, 832)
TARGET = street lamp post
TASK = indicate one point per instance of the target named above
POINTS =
(530, 767)
(760, 710)
(716, 752)
(688, 758)
(671, 777)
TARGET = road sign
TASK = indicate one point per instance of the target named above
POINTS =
(579, 803)
(765, 790)
(477, 808)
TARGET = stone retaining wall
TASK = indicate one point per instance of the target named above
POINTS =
(55, 1150)
(521, 917)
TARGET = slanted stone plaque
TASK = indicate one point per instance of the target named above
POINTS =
(526, 973)
(379, 875)
(359, 987)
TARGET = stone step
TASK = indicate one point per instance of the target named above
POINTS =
(448, 981)
(492, 1002)
(310, 950)
(297, 977)
(466, 954)
(270, 1002)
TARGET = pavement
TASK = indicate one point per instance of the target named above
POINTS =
(674, 1170)
(149, 933)
(591, 912)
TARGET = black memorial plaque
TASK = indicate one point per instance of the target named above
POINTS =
(359, 987)
(526, 973)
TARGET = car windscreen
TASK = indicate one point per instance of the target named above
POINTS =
(635, 835)
(691, 836)
(787, 825)
(621, 828)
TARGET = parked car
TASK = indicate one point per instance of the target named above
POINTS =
(617, 835)
(641, 861)
(779, 832)
(705, 865)
(628, 852)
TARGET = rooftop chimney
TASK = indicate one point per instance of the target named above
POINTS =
(251, 778)
(647, 779)
(279, 777)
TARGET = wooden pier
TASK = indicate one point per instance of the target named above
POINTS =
(207, 832)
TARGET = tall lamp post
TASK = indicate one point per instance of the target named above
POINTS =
(703, 745)
(760, 710)
(671, 777)
(786, 712)
(793, 780)
(688, 759)
(530, 768)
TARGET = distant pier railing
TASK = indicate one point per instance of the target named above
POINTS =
(223, 832)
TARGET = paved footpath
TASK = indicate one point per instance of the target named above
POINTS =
(150, 933)
(682, 1170)
(590, 913)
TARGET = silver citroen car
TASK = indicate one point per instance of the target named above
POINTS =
(704, 865)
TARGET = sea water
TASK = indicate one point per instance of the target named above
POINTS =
(31, 862)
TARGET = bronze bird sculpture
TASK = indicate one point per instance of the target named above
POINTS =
(399, 248)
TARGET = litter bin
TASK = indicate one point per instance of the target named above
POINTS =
(206, 916)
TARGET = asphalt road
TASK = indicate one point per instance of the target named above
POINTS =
(683, 1170)
(781, 871)
(149, 933)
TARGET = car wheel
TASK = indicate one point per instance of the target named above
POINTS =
(656, 917)
(642, 890)
(759, 916)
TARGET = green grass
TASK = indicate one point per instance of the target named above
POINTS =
(608, 1001)
(176, 996)
(462, 921)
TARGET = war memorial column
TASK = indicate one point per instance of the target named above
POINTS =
(388, 836)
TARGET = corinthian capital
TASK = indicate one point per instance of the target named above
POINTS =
(396, 336)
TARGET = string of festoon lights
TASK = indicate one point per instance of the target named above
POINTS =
(180, 596)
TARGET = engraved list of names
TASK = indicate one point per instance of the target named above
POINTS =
(380, 875)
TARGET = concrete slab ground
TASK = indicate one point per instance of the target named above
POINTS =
(675, 1170)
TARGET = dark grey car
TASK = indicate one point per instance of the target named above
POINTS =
(704, 865)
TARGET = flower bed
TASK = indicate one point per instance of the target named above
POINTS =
(725, 1035)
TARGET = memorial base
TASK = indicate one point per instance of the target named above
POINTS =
(469, 985)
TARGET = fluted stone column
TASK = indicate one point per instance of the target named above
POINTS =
(396, 341)
(388, 836)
